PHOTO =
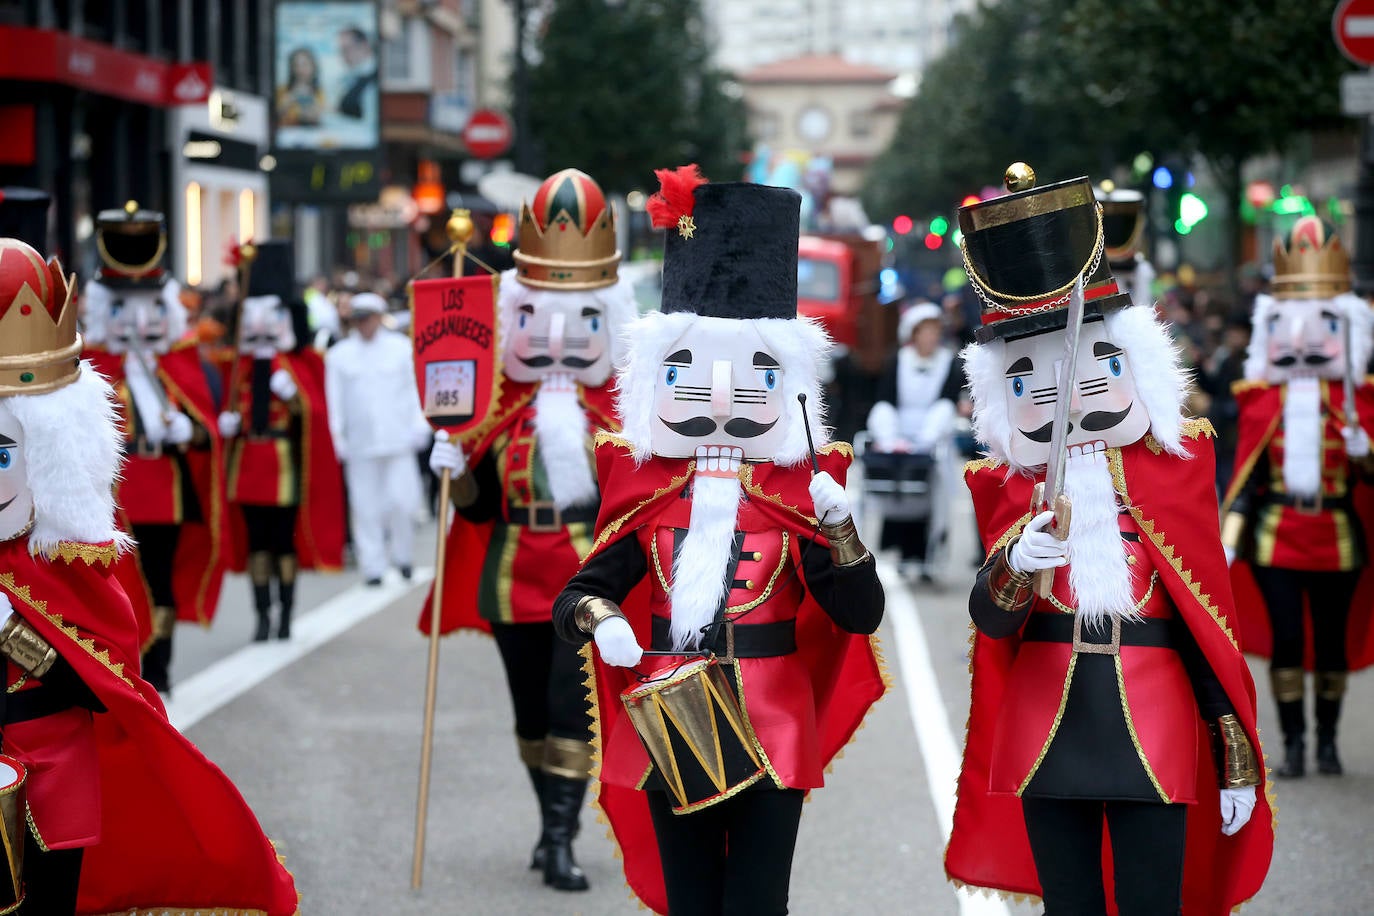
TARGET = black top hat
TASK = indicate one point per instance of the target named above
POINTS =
(24, 216)
(1123, 223)
(731, 248)
(1025, 251)
(273, 272)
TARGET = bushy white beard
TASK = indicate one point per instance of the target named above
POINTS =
(700, 567)
(1098, 572)
(1302, 435)
(560, 429)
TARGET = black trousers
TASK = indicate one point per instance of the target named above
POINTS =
(157, 548)
(1148, 842)
(50, 880)
(1328, 595)
(546, 682)
(731, 859)
(271, 529)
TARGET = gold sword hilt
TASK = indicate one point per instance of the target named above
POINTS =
(1063, 516)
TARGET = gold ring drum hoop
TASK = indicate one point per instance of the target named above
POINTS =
(692, 724)
(13, 818)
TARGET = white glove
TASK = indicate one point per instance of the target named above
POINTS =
(282, 384)
(6, 609)
(179, 428)
(446, 454)
(615, 640)
(1236, 807)
(229, 424)
(1037, 548)
(829, 498)
(340, 445)
(1356, 441)
(1230, 554)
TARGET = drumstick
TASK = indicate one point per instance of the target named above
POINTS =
(810, 443)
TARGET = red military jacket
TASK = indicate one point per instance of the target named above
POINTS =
(151, 485)
(169, 829)
(1333, 536)
(292, 463)
(803, 708)
(1172, 502)
(501, 571)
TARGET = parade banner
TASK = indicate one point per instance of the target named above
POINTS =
(457, 370)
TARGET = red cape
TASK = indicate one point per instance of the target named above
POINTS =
(202, 550)
(320, 521)
(467, 541)
(175, 833)
(1261, 414)
(846, 670)
(1175, 508)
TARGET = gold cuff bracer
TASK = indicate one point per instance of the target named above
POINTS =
(1329, 685)
(1232, 530)
(568, 758)
(1235, 755)
(1010, 590)
(1287, 684)
(591, 612)
(164, 622)
(21, 645)
(845, 547)
(531, 752)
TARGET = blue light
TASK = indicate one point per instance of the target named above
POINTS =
(887, 277)
(1189, 180)
(1163, 178)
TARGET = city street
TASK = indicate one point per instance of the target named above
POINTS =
(322, 735)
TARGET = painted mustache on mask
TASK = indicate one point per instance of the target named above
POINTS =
(1094, 422)
(738, 427)
(572, 362)
(1311, 359)
(6, 504)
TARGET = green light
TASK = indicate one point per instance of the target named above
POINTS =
(1288, 206)
(1286, 191)
(939, 225)
(1143, 163)
(958, 237)
(1181, 227)
(889, 243)
(954, 279)
(1191, 209)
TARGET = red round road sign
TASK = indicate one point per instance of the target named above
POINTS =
(487, 134)
(1353, 27)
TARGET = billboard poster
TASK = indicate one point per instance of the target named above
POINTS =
(326, 94)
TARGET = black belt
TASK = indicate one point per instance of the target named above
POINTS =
(1104, 640)
(752, 640)
(1312, 504)
(545, 516)
(35, 703)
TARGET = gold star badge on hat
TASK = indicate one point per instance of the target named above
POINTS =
(686, 226)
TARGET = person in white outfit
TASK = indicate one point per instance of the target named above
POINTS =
(377, 425)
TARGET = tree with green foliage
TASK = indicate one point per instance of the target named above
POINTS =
(621, 89)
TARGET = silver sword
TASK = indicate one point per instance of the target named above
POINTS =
(1352, 415)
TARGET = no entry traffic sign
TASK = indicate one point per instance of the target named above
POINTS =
(1353, 27)
(488, 134)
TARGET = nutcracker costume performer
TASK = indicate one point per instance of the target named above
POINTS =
(526, 491)
(1120, 696)
(1295, 513)
(122, 813)
(282, 472)
(1123, 233)
(709, 541)
(171, 488)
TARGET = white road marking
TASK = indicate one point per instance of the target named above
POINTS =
(939, 750)
(229, 678)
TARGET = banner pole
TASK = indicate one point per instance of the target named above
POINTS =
(459, 230)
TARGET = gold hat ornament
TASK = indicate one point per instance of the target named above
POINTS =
(1313, 264)
(567, 235)
(40, 350)
(131, 241)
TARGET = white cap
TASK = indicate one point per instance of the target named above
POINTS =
(369, 303)
(906, 325)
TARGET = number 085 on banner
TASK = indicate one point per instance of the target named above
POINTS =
(453, 329)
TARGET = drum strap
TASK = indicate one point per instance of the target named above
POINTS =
(751, 640)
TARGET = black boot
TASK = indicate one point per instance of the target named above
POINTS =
(286, 593)
(260, 574)
(541, 849)
(1288, 694)
(1330, 687)
(157, 661)
(562, 809)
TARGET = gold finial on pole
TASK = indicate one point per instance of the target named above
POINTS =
(460, 229)
(1019, 177)
(131, 207)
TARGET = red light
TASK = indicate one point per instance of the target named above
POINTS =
(902, 224)
(933, 241)
(502, 229)
(970, 200)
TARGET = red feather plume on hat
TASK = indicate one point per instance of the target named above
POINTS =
(674, 199)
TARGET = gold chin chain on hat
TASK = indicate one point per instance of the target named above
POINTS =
(985, 291)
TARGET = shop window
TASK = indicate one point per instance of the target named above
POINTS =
(405, 57)
(860, 123)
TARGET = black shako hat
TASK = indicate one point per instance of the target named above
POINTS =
(274, 270)
(1123, 223)
(730, 249)
(1025, 251)
(24, 216)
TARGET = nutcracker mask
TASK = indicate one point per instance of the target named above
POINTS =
(716, 374)
(266, 327)
(16, 499)
(124, 319)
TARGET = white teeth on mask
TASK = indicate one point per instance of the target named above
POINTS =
(714, 451)
(701, 453)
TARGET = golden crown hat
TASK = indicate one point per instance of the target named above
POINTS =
(1311, 263)
(567, 235)
(40, 350)
(131, 241)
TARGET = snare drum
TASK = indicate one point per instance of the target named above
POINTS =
(690, 720)
(13, 820)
